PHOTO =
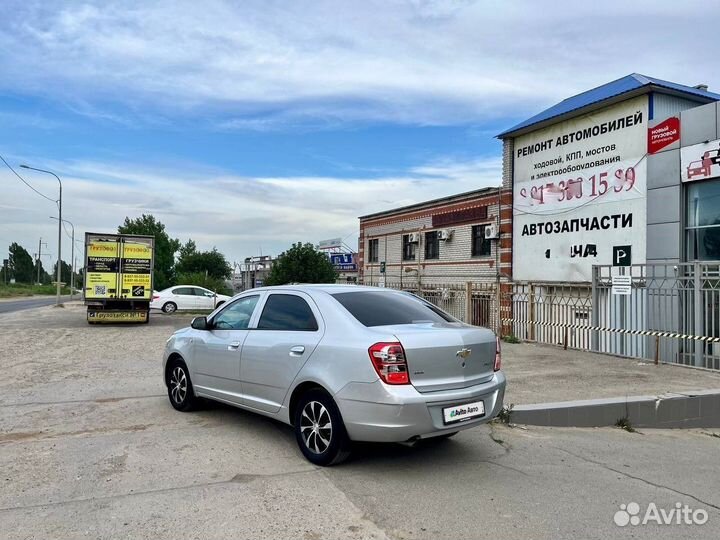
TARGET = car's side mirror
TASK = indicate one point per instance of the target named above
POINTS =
(200, 323)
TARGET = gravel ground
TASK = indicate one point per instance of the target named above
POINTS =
(51, 354)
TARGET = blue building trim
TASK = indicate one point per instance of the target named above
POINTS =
(633, 83)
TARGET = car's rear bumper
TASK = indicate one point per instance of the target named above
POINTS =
(379, 412)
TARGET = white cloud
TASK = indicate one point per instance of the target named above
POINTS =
(239, 215)
(434, 62)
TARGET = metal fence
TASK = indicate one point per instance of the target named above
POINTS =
(453, 299)
(681, 299)
(551, 313)
(671, 314)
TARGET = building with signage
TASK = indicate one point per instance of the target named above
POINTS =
(684, 191)
(456, 239)
(597, 179)
(342, 257)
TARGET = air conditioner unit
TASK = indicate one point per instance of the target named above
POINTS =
(445, 234)
(414, 238)
(491, 232)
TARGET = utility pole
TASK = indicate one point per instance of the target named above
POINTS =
(39, 258)
(59, 258)
(72, 258)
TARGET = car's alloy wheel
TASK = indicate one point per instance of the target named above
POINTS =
(178, 385)
(316, 427)
(319, 429)
(169, 307)
(180, 390)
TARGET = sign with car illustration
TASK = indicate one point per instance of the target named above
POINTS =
(700, 161)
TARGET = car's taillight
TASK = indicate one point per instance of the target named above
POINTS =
(156, 296)
(388, 359)
(498, 361)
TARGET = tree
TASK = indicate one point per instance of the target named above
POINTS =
(20, 264)
(165, 247)
(65, 271)
(187, 249)
(209, 263)
(44, 276)
(302, 263)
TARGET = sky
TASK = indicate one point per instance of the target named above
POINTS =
(251, 125)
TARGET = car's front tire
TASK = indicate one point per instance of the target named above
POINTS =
(319, 429)
(180, 389)
(169, 307)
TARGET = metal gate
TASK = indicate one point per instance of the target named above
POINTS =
(672, 313)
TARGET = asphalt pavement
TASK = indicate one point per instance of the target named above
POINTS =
(90, 447)
(28, 303)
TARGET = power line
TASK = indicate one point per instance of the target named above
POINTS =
(26, 182)
(70, 236)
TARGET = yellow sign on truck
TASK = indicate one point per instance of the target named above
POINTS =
(118, 277)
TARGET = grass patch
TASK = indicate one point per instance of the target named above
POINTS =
(19, 290)
(511, 339)
(503, 416)
(624, 423)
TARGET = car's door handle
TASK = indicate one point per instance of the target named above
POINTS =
(297, 351)
(233, 345)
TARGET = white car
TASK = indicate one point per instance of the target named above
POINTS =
(186, 297)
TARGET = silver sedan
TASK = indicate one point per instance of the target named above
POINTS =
(339, 363)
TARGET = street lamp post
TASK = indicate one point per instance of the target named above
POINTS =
(57, 300)
(72, 258)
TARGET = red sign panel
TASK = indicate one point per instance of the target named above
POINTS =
(477, 213)
(664, 134)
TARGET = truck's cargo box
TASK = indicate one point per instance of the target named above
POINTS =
(118, 277)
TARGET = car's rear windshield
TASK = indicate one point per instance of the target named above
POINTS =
(381, 308)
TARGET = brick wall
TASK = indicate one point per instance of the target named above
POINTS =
(507, 178)
(456, 263)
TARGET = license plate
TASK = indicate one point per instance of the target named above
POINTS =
(458, 413)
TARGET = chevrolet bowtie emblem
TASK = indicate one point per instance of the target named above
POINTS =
(464, 353)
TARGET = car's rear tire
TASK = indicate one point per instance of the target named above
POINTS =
(180, 388)
(219, 304)
(319, 429)
(169, 307)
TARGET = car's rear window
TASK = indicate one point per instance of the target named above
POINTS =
(379, 308)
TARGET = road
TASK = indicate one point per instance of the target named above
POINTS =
(90, 447)
(28, 303)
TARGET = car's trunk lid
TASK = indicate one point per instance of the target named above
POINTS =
(445, 356)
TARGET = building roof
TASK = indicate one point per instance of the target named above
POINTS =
(459, 197)
(634, 83)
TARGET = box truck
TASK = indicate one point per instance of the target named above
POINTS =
(118, 277)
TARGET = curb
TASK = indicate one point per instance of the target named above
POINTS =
(673, 410)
